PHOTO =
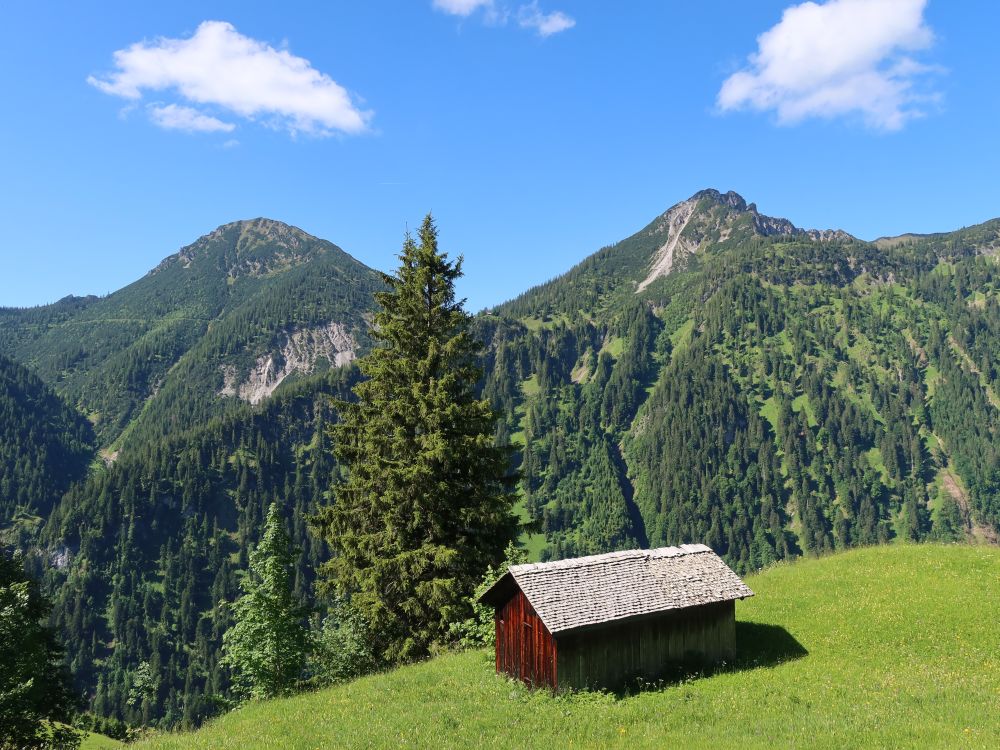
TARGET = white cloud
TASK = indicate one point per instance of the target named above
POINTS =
(529, 15)
(179, 117)
(219, 67)
(462, 8)
(545, 24)
(838, 58)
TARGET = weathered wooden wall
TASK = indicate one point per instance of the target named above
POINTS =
(612, 655)
(525, 648)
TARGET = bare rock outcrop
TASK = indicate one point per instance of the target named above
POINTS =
(300, 352)
(674, 223)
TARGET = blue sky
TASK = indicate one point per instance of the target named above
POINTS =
(535, 132)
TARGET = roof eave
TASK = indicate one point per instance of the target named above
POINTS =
(498, 594)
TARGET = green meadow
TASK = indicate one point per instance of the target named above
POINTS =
(91, 741)
(895, 646)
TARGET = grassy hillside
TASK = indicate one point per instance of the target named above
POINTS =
(93, 741)
(886, 646)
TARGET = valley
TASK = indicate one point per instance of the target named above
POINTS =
(718, 376)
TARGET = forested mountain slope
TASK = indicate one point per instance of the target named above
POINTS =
(226, 318)
(150, 549)
(772, 392)
(208, 383)
(45, 446)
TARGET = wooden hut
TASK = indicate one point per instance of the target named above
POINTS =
(603, 620)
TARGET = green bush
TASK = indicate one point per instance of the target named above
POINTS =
(479, 630)
(342, 647)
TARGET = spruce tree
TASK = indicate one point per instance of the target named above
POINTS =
(267, 645)
(34, 682)
(425, 506)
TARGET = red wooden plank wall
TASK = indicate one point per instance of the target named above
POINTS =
(525, 648)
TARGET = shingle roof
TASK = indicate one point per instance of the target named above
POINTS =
(582, 591)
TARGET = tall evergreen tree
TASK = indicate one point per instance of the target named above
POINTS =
(34, 682)
(426, 503)
(267, 645)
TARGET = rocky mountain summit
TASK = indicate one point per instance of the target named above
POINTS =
(709, 217)
(708, 222)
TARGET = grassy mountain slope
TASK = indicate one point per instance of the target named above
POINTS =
(880, 647)
(175, 347)
(93, 741)
(44, 445)
(773, 392)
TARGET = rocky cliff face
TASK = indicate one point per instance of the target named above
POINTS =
(300, 351)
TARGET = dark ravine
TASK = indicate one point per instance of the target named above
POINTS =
(45, 446)
(628, 493)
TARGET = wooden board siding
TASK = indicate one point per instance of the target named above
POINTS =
(525, 648)
(610, 656)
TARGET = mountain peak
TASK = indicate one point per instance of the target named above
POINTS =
(262, 227)
(710, 217)
(731, 199)
(249, 247)
(253, 233)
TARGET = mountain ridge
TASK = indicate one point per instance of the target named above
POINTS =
(230, 300)
(283, 246)
(784, 335)
(707, 221)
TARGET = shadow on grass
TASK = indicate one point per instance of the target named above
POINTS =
(760, 645)
(757, 645)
